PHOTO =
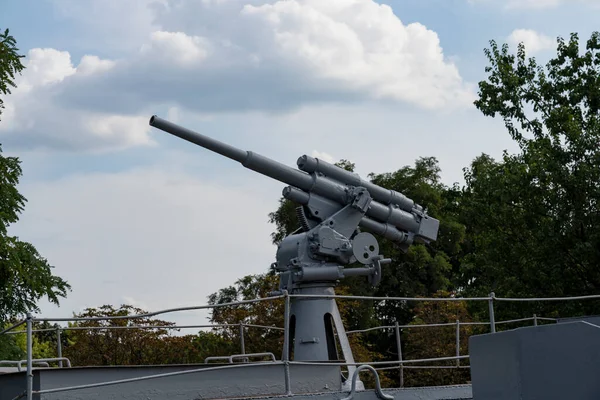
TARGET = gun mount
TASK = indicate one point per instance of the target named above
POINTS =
(334, 204)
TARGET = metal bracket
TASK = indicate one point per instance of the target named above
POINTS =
(376, 275)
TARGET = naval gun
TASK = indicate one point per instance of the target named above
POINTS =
(339, 212)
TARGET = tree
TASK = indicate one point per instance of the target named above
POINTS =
(533, 216)
(265, 313)
(9, 348)
(97, 346)
(25, 276)
(435, 342)
(106, 342)
(10, 64)
(424, 269)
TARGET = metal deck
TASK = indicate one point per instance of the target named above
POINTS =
(190, 382)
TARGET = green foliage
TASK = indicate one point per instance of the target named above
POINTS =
(25, 276)
(10, 64)
(266, 313)
(9, 348)
(533, 217)
(423, 270)
(432, 342)
(114, 346)
(151, 345)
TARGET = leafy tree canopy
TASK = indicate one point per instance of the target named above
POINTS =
(10, 64)
(25, 276)
(533, 217)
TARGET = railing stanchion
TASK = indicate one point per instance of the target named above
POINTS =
(59, 347)
(399, 347)
(286, 344)
(457, 343)
(242, 343)
(29, 389)
(492, 318)
(535, 321)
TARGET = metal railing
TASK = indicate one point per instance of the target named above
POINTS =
(285, 362)
(38, 361)
(242, 356)
(19, 364)
(398, 329)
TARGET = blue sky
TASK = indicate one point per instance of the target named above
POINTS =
(124, 211)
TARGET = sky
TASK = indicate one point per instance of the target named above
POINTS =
(128, 214)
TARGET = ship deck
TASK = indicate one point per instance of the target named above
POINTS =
(203, 381)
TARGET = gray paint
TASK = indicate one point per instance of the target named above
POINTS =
(346, 349)
(592, 319)
(457, 392)
(310, 342)
(547, 362)
(13, 384)
(259, 380)
(324, 179)
(333, 204)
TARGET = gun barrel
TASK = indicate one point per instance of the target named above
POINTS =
(385, 196)
(248, 159)
(194, 137)
(384, 211)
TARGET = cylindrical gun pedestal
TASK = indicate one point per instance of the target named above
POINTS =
(314, 324)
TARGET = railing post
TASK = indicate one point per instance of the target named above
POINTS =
(242, 343)
(399, 347)
(29, 389)
(286, 344)
(492, 318)
(457, 343)
(59, 347)
(535, 321)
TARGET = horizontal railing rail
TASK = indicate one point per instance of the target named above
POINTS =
(19, 366)
(394, 364)
(117, 327)
(45, 361)
(245, 355)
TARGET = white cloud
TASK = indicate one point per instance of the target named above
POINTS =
(176, 47)
(35, 117)
(534, 4)
(334, 50)
(533, 41)
(45, 67)
(234, 57)
(93, 64)
(323, 156)
(154, 237)
(115, 24)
